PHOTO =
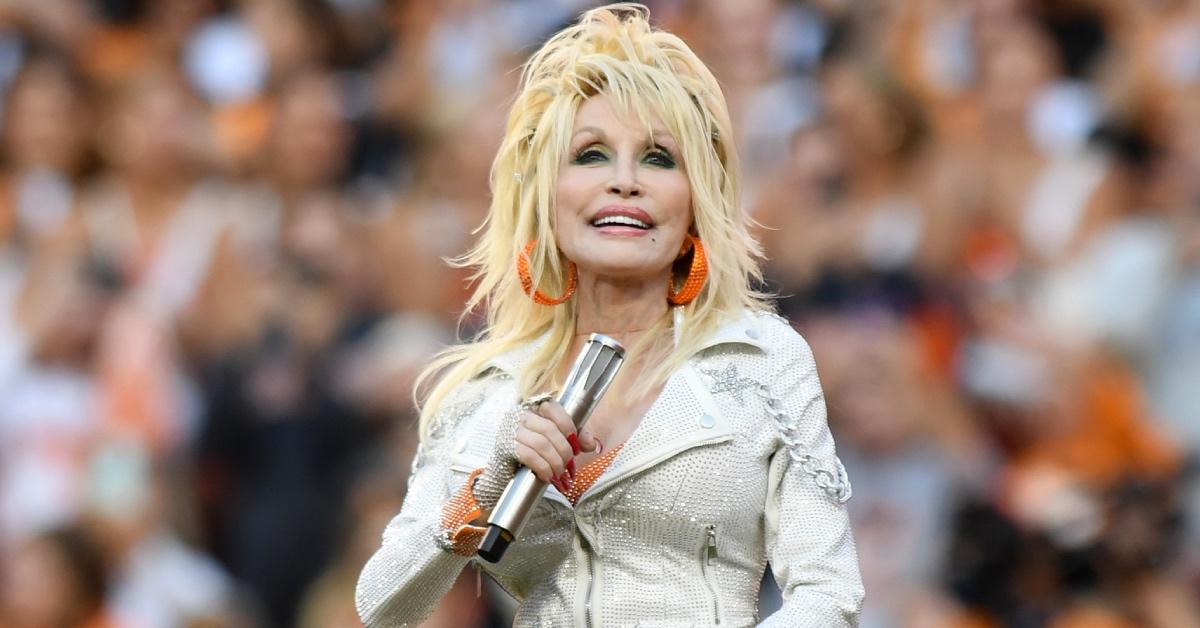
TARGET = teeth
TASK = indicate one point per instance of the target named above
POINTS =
(620, 220)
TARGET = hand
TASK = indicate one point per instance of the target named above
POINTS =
(546, 443)
(540, 437)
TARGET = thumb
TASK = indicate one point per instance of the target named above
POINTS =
(589, 443)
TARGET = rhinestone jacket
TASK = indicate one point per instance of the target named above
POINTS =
(731, 467)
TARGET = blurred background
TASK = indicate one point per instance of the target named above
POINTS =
(221, 232)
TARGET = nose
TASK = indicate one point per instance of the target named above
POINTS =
(624, 181)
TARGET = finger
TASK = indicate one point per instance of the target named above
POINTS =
(555, 412)
(538, 423)
(567, 481)
(549, 430)
(529, 417)
(589, 443)
(548, 450)
(532, 460)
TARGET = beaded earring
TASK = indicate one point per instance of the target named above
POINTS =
(697, 274)
(527, 279)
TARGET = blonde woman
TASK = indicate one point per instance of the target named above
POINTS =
(615, 210)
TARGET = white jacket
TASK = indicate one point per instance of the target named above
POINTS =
(733, 466)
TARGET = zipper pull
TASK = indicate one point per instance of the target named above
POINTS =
(711, 533)
(478, 580)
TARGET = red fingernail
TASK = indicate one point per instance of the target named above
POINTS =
(559, 485)
(573, 438)
(571, 468)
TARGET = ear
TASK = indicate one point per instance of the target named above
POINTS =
(688, 244)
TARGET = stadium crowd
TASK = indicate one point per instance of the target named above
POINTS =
(223, 226)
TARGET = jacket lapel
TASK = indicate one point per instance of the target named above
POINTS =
(684, 416)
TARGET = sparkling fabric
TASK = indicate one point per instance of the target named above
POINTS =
(589, 473)
(732, 466)
(502, 465)
(463, 539)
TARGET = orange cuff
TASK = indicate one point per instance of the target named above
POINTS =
(457, 515)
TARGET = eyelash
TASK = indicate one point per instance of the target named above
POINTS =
(585, 156)
(667, 161)
(591, 153)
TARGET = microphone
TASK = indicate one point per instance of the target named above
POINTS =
(593, 371)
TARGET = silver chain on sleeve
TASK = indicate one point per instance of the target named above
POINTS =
(835, 482)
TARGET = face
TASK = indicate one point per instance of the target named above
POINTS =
(158, 129)
(38, 586)
(310, 137)
(47, 120)
(623, 204)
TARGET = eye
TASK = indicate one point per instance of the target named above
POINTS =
(589, 155)
(660, 157)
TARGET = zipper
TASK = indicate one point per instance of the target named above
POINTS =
(708, 551)
(587, 605)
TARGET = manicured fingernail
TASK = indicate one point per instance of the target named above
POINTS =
(571, 468)
(573, 438)
(599, 445)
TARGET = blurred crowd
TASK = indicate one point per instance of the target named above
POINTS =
(222, 233)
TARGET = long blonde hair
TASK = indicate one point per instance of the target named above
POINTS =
(612, 50)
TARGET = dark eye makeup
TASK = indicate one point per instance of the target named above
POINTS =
(657, 156)
(589, 154)
(660, 157)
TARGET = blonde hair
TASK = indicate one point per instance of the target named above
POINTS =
(612, 50)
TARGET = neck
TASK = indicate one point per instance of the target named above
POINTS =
(623, 310)
(619, 308)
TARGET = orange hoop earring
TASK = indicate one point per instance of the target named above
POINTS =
(527, 279)
(696, 276)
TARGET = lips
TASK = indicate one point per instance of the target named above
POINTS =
(623, 216)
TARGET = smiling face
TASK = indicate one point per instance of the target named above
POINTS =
(623, 200)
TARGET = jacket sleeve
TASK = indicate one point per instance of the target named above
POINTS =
(420, 557)
(808, 536)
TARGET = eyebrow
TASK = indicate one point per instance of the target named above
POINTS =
(657, 135)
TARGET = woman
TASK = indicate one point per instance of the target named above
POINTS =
(615, 201)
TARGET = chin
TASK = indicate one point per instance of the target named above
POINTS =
(625, 269)
(622, 257)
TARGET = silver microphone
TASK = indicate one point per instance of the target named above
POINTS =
(594, 369)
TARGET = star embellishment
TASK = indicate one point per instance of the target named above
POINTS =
(727, 381)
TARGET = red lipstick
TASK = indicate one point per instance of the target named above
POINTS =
(636, 213)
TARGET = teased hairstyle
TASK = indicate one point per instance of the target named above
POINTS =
(612, 50)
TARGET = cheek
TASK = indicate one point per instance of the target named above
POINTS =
(572, 193)
(571, 198)
(675, 198)
(682, 201)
